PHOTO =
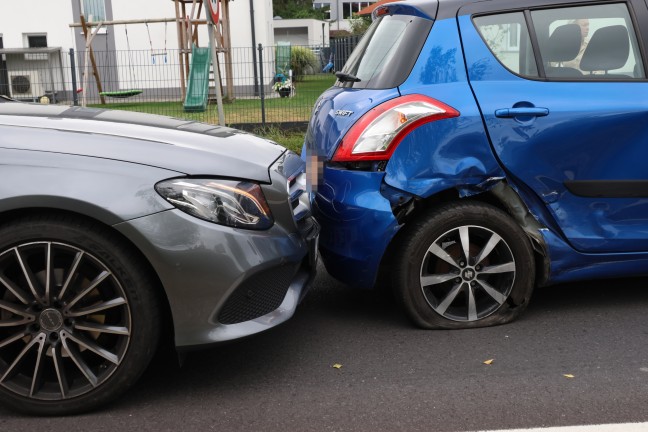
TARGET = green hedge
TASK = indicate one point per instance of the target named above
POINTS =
(303, 62)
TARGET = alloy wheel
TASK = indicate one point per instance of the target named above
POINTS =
(467, 273)
(65, 321)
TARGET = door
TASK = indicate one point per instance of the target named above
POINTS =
(566, 108)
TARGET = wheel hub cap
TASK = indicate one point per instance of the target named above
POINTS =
(468, 275)
(51, 320)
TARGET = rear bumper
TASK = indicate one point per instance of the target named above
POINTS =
(357, 225)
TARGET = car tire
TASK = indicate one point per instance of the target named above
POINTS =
(442, 288)
(78, 315)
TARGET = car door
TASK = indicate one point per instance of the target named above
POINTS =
(566, 109)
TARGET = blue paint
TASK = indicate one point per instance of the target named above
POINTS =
(532, 134)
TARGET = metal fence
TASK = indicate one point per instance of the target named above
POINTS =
(154, 81)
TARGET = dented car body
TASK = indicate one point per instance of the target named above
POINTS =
(503, 150)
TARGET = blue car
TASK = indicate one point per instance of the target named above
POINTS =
(473, 150)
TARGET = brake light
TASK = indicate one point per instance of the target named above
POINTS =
(379, 132)
(382, 11)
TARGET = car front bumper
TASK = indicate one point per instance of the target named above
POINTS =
(223, 283)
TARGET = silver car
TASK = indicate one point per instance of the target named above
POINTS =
(118, 229)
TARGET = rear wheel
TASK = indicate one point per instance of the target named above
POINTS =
(465, 265)
(77, 316)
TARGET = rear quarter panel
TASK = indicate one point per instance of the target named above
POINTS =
(451, 153)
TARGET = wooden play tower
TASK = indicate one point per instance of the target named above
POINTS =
(188, 18)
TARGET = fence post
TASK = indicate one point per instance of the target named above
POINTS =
(261, 87)
(75, 95)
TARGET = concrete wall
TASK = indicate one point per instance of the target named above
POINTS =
(37, 17)
(302, 31)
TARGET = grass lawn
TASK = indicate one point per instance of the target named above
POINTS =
(278, 110)
(292, 140)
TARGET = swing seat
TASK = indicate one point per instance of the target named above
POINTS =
(121, 94)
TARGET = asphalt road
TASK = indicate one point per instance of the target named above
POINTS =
(395, 377)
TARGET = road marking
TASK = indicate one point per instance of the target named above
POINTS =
(621, 427)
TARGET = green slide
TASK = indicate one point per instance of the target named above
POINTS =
(198, 84)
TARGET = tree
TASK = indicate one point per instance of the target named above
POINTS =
(297, 9)
(359, 24)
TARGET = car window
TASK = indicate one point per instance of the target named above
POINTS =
(507, 36)
(387, 52)
(588, 42)
(384, 43)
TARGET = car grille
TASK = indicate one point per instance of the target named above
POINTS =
(259, 295)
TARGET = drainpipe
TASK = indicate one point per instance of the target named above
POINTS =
(254, 47)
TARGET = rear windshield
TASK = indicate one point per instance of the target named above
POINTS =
(386, 54)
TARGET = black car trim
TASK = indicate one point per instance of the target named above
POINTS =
(608, 188)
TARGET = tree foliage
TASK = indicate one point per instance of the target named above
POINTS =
(303, 62)
(297, 9)
(359, 24)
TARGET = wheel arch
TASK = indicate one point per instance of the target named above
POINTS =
(501, 196)
(167, 317)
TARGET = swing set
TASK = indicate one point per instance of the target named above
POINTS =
(187, 26)
(123, 94)
(90, 30)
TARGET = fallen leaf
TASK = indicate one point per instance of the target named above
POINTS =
(570, 376)
(489, 362)
(337, 366)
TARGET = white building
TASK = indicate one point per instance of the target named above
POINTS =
(304, 32)
(35, 40)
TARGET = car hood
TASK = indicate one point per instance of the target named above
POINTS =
(184, 146)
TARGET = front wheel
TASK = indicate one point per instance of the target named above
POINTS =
(465, 265)
(78, 316)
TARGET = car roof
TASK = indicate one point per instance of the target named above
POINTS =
(451, 8)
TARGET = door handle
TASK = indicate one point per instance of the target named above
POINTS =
(521, 112)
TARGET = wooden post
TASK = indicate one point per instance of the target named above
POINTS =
(195, 26)
(187, 41)
(90, 53)
(227, 45)
(179, 25)
(214, 55)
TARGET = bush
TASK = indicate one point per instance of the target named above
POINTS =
(302, 61)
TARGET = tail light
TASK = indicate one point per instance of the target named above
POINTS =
(377, 134)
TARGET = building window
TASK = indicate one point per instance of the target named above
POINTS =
(36, 41)
(350, 8)
(94, 8)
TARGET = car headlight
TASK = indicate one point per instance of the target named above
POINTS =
(233, 203)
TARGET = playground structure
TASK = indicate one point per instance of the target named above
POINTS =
(194, 61)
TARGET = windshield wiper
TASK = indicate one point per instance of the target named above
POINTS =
(345, 77)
